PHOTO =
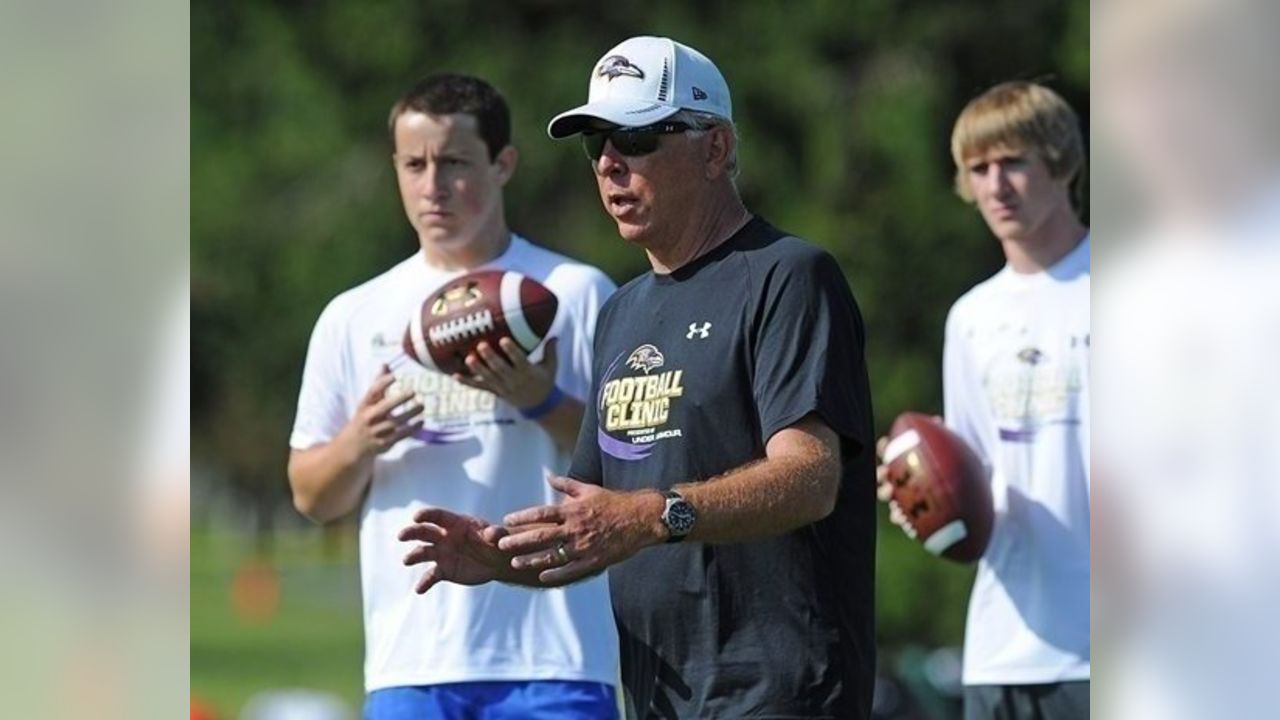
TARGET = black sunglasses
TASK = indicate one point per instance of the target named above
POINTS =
(631, 142)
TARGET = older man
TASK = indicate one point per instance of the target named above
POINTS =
(724, 471)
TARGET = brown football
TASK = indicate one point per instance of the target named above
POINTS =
(941, 487)
(487, 305)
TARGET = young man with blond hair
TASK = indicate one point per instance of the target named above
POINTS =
(1016, 388)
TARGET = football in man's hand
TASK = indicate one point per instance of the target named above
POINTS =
(940, 487)
(487, 305)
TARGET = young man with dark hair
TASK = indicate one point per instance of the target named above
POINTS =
(378, 433)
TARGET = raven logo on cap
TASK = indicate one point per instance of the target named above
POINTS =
(617, 66)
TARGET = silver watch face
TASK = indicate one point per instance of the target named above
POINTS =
(680, 517)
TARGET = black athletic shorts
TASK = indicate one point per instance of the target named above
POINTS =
(1051, 701)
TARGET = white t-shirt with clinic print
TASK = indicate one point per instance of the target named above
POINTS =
(1016, 388)
(476, 455)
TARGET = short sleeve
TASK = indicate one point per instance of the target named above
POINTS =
(808, 348)
(322, 400)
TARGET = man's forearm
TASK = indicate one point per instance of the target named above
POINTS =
(328, 481)
(764, 498)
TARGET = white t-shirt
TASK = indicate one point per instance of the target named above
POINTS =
(476, 455)
(1016, 387)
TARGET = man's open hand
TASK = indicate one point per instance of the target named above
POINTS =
(463, 549)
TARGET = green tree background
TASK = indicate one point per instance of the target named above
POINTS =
(844, 108)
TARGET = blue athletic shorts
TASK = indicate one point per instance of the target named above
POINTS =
(533, 700)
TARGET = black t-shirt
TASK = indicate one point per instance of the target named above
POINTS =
(694, 372)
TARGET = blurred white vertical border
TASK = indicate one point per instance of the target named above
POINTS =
(94, 208)
(1187, 429)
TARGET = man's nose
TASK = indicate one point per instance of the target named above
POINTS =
(433, 185)
(999, 178)
(611, 161)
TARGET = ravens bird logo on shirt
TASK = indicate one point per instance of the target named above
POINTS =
(645, 358)
(1031, 356)
(617, 66)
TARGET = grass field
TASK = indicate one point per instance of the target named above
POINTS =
(313, 639)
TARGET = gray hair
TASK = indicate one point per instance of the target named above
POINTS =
(700, 122)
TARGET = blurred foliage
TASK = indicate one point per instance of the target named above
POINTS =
(844, 107)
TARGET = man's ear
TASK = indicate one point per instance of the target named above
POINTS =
(506, 163)
(719, 151)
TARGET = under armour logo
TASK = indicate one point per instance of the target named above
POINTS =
(702, 332)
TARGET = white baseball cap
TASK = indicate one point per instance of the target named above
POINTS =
(646, 79)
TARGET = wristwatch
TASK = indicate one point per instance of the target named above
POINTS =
(679, 516)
